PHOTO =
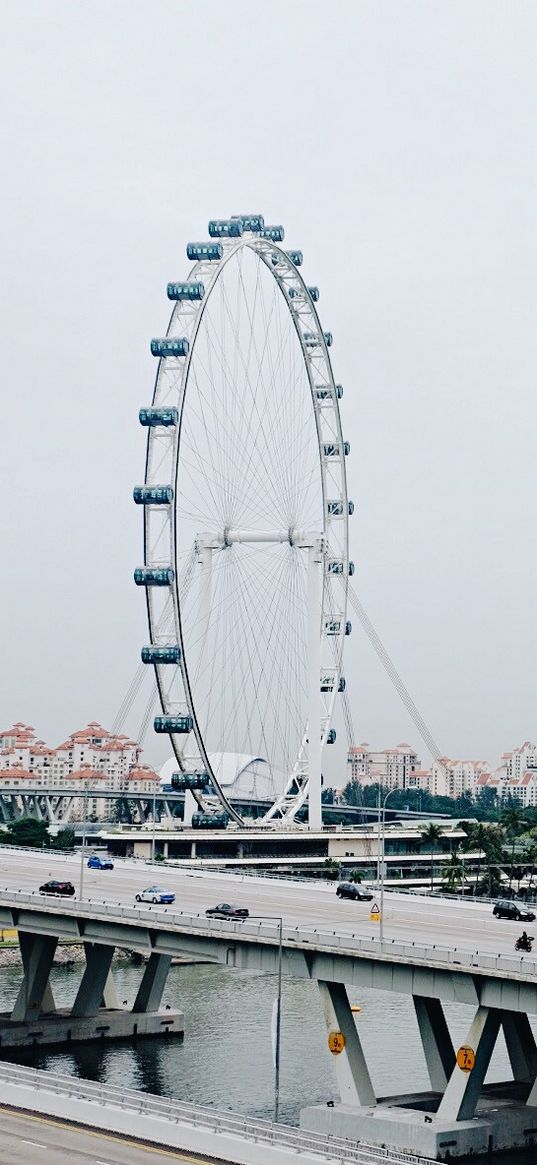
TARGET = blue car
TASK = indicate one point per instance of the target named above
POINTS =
(156, 894)
(97, 863)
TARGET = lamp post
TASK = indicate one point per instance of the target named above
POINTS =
(382, 852)
(82, 851)
(277, 1043)
(153, 840)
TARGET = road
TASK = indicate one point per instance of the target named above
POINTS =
(465, 925)
(39, 1139)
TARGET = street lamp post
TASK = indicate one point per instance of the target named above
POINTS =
(277, 1043)
(153, 840)
(382, 853)
(83, 850)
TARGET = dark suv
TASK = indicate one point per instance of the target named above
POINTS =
(65, 889)
(353, 890)
(510, 910)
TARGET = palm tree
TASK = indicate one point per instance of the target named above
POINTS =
(432, 834)
(453, 874)
(512, 821)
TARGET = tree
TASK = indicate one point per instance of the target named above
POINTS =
(26, 831)
(513, 822)
(453, 874)
(331, 869)
(121, 811)
(432, 835)
(65, 839)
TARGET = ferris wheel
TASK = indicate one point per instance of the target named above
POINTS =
(246, 523)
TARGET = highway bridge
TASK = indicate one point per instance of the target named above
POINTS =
(433, 950)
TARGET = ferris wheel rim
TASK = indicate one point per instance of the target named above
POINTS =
(285, 275)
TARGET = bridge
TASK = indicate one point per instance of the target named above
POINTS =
(428, 953)
(74, 1105)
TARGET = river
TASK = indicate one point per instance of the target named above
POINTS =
(225, 1059)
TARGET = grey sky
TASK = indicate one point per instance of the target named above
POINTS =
(396, 142)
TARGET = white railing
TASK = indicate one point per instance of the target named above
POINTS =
(390, 950)
(197, 1116)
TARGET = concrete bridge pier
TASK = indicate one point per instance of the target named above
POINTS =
(460, 1116)
(95, 1013)
(35, 993)
(149, 997)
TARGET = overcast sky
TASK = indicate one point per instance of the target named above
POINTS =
(396, 142)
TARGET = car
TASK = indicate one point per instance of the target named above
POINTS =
(97, 863)
(353, 890)
(156, 894)
(226, 910)
(63, 889)
(506, 909)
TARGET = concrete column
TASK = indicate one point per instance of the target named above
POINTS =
(50, 811)
(521, 1046)
(110, 998)
(436, 1040)
(354, 1081)
(149, 995)
(460, 1099)
(35, 994)
(193, 849)
(93, 983)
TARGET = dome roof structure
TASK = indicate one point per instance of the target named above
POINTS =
(243, 777)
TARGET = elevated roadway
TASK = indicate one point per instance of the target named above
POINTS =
(467, 926)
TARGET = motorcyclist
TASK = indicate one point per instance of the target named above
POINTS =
(525, 941)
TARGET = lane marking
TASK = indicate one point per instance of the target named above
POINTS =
(34, 1144)
(113, 1138)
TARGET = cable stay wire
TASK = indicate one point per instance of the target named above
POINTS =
(391, 671)
(147, 716)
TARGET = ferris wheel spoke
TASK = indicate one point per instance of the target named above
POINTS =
(255, 442)
(260, 410)
(231, 488)
(222, 424)
(258, 678)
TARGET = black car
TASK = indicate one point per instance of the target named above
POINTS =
(64, 889)
(353, 890)
(226, 910)
(510, 910)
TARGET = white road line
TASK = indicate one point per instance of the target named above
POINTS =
(34, 1144)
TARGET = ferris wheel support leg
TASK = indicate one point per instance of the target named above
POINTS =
(315, 580)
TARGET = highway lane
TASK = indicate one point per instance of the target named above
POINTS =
(466, 925)
(45, 1141)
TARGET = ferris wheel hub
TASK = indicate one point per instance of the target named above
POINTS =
(228, 537)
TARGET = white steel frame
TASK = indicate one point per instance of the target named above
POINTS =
(325, 641)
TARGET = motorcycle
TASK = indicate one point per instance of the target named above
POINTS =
(524, 944)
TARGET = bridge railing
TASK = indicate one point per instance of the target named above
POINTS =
(452, 958)
(213, 1120)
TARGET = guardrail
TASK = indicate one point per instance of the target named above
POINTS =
(334, 942)
(212, 1120)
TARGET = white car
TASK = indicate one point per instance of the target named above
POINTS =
(156, 894)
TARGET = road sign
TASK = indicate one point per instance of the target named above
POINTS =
(336, 1042)
(466, 1058)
